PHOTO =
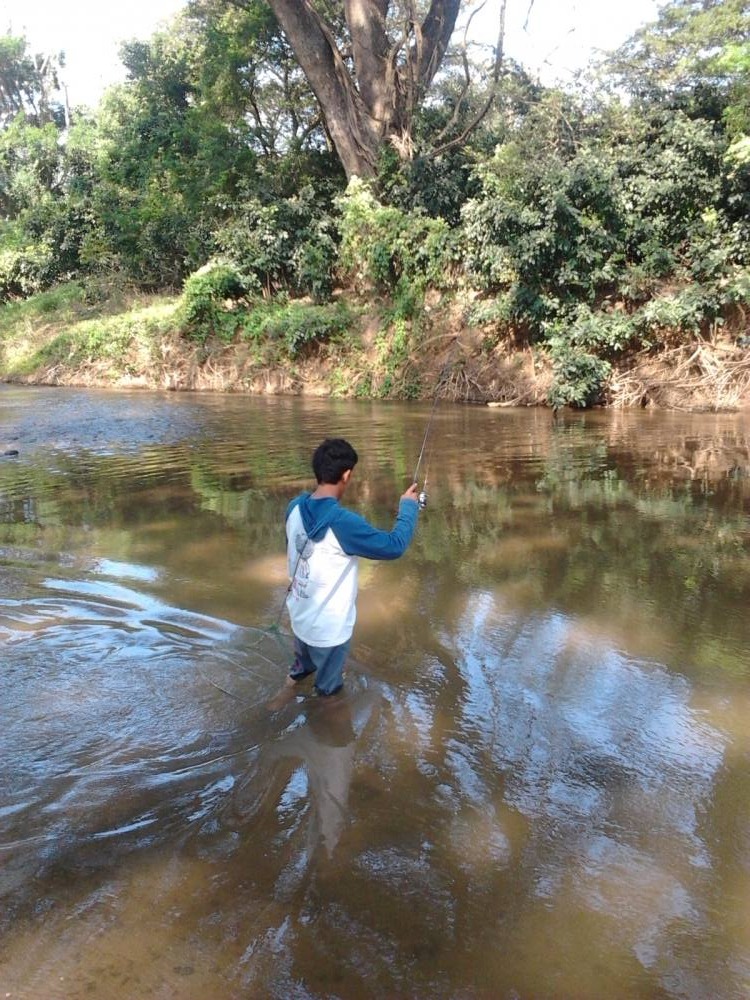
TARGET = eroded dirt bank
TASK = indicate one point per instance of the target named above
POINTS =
(142, 346)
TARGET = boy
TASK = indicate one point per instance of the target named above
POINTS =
(323, 543)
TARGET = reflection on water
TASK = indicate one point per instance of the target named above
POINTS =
(606, 756)
(535, 785)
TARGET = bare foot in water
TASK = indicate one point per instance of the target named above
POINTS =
(284, 696)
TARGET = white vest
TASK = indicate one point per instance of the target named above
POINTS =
(322, 600)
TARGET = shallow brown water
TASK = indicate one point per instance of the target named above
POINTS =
(537, 785)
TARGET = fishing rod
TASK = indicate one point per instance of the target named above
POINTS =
(422, 498)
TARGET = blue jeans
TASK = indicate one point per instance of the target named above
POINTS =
(325, 661)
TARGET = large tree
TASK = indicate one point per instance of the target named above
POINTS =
(29, 84)
(696, 53)
(370, 64)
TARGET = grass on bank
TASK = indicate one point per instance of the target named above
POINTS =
(61, 334)
(212, 338)
(63, 328)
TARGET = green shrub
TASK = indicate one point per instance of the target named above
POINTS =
(545, 230)
(301, 327)
(296, 326)
(687, 311)
(605, 333)
(393, 250)
(289, 244)
(256, 241)
(736, 288)
(397, 376)
(205, 296)
(313, 263)
(496, 311)
(560, 226)
(580, 378)
(25, 270)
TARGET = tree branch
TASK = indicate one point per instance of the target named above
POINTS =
(436, 32)
(528, 15)
(367, 29)
(497, 66)
(467, 78)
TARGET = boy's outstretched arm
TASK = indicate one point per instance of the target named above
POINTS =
(358, 537)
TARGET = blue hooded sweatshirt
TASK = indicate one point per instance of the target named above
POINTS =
(324, 541)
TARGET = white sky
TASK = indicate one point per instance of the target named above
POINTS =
(89, 32)
(559, 38)
(553, 38)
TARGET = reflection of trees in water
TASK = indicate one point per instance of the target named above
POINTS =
(527, 793)
(605, 532)
(614, 775)
(586, 513)
(521, 782)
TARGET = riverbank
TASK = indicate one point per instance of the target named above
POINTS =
(354, 347)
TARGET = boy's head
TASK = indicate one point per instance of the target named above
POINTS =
(331, 459)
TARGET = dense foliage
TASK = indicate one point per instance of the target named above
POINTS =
(593, 222)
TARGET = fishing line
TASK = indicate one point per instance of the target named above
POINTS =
(274, 628)
(274, 631)
(422, 499)
(309, 535)
(427, 432)
(247, 670)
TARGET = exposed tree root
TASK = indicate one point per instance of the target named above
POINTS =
(697, 376)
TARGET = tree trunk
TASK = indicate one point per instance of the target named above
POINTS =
(391, 75)
(354, 133)
(436, 34)
(370, 47)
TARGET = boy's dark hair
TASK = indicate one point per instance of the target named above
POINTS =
(332, 458)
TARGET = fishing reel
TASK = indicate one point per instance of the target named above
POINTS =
(422, 500)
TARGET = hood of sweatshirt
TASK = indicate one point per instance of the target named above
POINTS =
(318, 515)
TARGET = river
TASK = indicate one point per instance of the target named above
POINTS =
(535, 786)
